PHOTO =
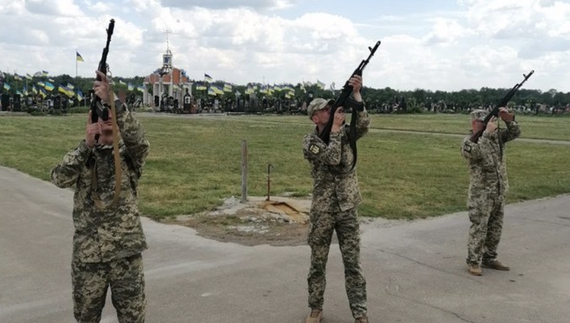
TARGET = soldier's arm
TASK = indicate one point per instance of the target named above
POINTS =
(65, 174)
(315, 148)
(471, 150)
(512, 132)
(133, 136)
(362, 122)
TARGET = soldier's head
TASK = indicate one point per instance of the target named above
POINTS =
(319, 110)
(477, 119)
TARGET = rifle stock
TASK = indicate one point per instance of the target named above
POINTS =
(343, 100)
(502, 103)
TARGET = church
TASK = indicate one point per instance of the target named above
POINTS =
(168, 81)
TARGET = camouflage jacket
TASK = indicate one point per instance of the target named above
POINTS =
(334, 186)
(114, 232)
(488, 169)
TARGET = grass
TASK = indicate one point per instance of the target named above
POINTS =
(194, 163)
(536, 127)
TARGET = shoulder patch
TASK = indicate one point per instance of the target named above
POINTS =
(314, 149)
(467, 148)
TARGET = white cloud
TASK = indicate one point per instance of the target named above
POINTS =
(99, 7)
(445, 31)
(53, 8)
(481, 43)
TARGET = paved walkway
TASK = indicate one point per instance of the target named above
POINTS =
(415, 270)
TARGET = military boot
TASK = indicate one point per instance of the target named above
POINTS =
(475, 270)
(494, 264)
(315, 317)
(362, 319)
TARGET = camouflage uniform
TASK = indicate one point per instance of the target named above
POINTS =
(336, 196)
(107, 243)
(489, 183)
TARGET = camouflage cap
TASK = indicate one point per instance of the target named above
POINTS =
(478, 114)
(316, 105)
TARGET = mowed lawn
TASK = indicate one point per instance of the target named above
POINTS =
(195, 162)
(543, 127)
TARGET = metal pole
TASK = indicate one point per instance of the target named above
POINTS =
(243, 171)
(269, 166)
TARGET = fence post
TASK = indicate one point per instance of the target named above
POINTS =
(243, 171)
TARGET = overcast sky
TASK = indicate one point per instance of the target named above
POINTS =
(436, 44)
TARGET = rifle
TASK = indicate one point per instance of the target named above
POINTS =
(98, 110)
(344, 101)
(495, 112)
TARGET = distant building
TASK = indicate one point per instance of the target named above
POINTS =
(167, 80)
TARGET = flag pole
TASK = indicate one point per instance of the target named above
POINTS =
(76, 88)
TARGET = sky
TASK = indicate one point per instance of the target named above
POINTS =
(446, 45)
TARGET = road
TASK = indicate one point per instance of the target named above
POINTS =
(415, 270)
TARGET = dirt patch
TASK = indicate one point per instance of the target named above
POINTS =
(281, 221)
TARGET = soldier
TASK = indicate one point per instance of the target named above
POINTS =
(336, 196)
(489, 183)
(108, 239)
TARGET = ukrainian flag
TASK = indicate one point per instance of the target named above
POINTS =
(200, 86)
(78, 57)
(48, 86)
(217, 89)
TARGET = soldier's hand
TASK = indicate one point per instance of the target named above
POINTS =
(506, 115)
(101, 88)
(491, 125)
(91, 130)
(356, 82)
(338, 120)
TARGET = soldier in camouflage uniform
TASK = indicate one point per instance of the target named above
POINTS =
(486, 201)
(108, 241)
(336, 196)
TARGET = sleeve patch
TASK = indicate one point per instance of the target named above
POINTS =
(467, 148)
(314, 149)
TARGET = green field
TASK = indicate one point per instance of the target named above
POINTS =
(195, 163)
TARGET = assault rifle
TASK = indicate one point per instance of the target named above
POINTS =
(344, 101)
(495, 112)
(98, 110)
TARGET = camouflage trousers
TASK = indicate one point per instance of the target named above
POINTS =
(91, 281)
(320, 235)
(486, 216)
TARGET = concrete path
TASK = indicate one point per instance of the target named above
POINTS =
(415, 271)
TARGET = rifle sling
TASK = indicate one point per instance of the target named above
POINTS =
(117, 157)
